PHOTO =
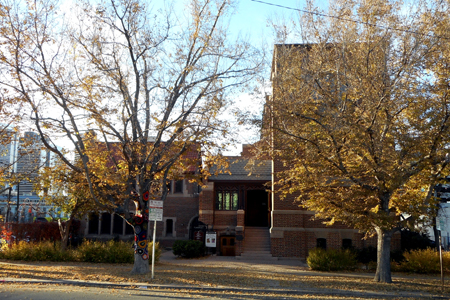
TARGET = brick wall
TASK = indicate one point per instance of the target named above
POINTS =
(225, 218)
(292, 245)
(298, 243)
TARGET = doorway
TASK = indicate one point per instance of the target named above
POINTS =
(257, 210)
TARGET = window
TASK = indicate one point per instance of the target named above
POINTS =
(322, 243)
(169, 227)
(347, 243)
(178, 187)
(227, 200)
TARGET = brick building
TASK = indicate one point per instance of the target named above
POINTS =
(180, 214)
(180, 209)
(250, 217)
(234, 204)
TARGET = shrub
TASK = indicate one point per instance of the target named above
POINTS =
(91, 251)
(189, 248)
(423, 262)
(331, 260)
(111, 252)
(36, 251)
(88, 251)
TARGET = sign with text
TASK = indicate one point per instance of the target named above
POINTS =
(211, 239)
(156, 214)
(198, 235)
(155, 204)
(443, 215)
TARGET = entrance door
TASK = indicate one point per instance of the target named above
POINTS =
(257, 210)
(227, 247)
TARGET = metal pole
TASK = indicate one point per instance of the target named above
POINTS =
(153, 250)
(440, 259)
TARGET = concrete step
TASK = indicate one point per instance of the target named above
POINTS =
(256, 255)
(252, 245)
(257, 247)
(256, 252)
(256, 244)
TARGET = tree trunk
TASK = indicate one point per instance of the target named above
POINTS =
(64, 230)
(141, 256)
(383, 273)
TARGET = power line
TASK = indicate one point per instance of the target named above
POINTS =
(350, 20)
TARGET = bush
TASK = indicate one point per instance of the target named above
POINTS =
(423, 262)
(331, 260)
(88, 251)
(36, 251)
(189, 248)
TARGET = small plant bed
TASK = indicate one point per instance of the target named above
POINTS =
(88, 251)
(332, 260)
(425, 261)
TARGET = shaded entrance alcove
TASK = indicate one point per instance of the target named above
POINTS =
(257, 210)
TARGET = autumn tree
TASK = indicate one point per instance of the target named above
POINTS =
(149, 84)
(360, 114)
(68, 190)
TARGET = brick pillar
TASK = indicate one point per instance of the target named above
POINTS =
(241, 217)
(206, 204)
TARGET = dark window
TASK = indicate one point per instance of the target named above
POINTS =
(346, 243)
(227, 200)
(93, 224)
(169, 227)
(231, 242)
(118, 225)
(178, 187)
(322, 243)
(129, 229)
(224, 242)
(106, 224)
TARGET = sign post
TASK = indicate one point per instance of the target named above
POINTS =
(441, 224)
(440, 259)
(156, 213)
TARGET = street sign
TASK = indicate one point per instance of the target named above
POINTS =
(156, 214)
(441, 219)
(155, 204)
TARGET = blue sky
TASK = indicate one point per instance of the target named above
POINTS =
(251, 17)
